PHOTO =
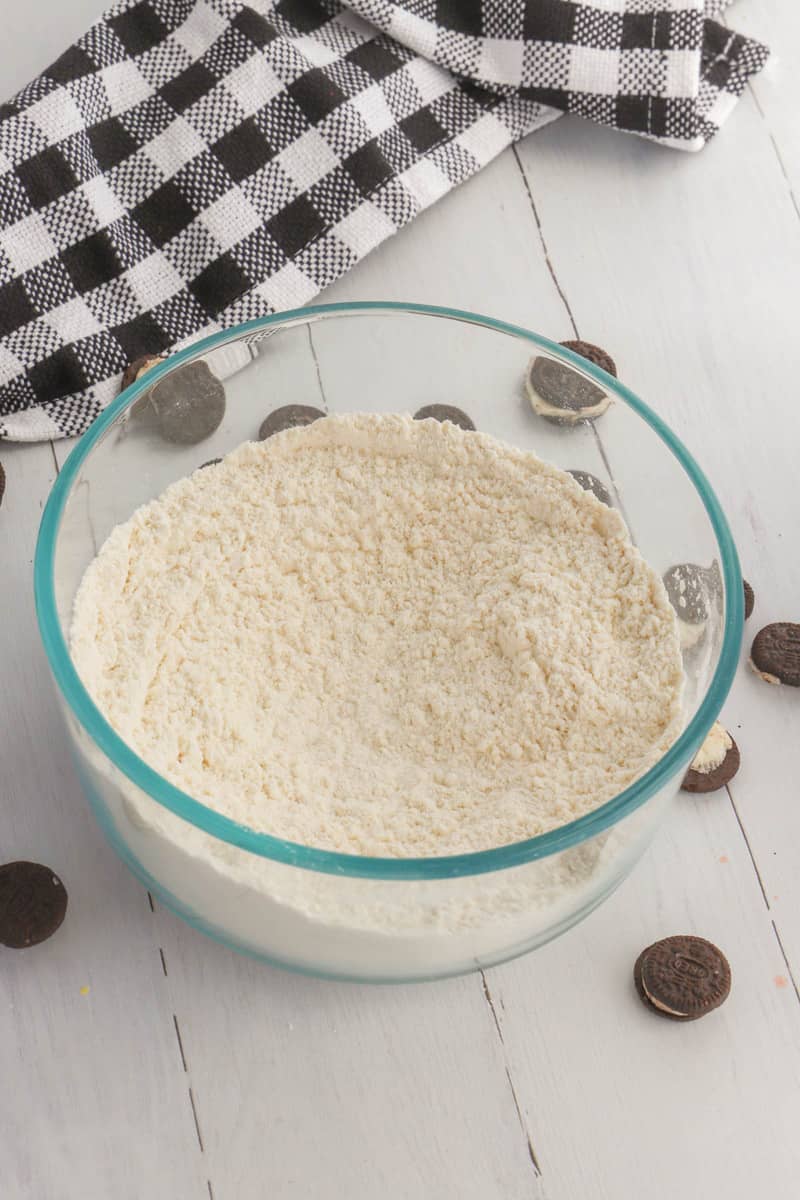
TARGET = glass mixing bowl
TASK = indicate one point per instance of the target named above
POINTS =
(343, 915)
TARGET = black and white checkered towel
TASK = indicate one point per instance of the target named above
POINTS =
(189, 164)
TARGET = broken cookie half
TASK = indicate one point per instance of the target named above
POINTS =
(692, 592)
(562, 395)
(715, 763)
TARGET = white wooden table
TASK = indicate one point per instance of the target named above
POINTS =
(138, 1059)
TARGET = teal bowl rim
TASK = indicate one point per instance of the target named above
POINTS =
(326, 861)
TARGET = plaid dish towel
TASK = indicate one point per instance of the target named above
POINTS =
(190, 164)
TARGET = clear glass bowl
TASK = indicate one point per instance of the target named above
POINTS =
(343, 915)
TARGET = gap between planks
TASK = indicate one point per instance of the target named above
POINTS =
(184, 1063)
(743, 832)
(523, 1126)
(775, 147)
(320, 384)
(563, 295)
(545, 251)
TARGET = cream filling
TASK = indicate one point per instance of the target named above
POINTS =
(765, 675)
(673, 1012)
(545, 409)
(713, 750)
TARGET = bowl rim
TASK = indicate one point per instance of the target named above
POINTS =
(295, 854)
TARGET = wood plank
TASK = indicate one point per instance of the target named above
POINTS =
(777, 88)
(94, 1100)
(409, 1085)
(767, 800)
(306, 1088)
(691, 315)
(626, 1103)
(673, 293)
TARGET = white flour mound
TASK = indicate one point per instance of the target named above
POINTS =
(383, 636)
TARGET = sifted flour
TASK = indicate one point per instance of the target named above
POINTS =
(383, 636)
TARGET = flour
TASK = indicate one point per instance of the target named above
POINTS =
(383, 636)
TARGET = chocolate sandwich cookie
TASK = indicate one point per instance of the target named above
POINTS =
(189, 403)
(682, 977)
(775, 653)
(590, 483)
(33, 902)
(2, 483)
(688, 592)
(749, 599)
(715, 763)
(445, 412)
(291, 416)
(561, 395)
(688, 587)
